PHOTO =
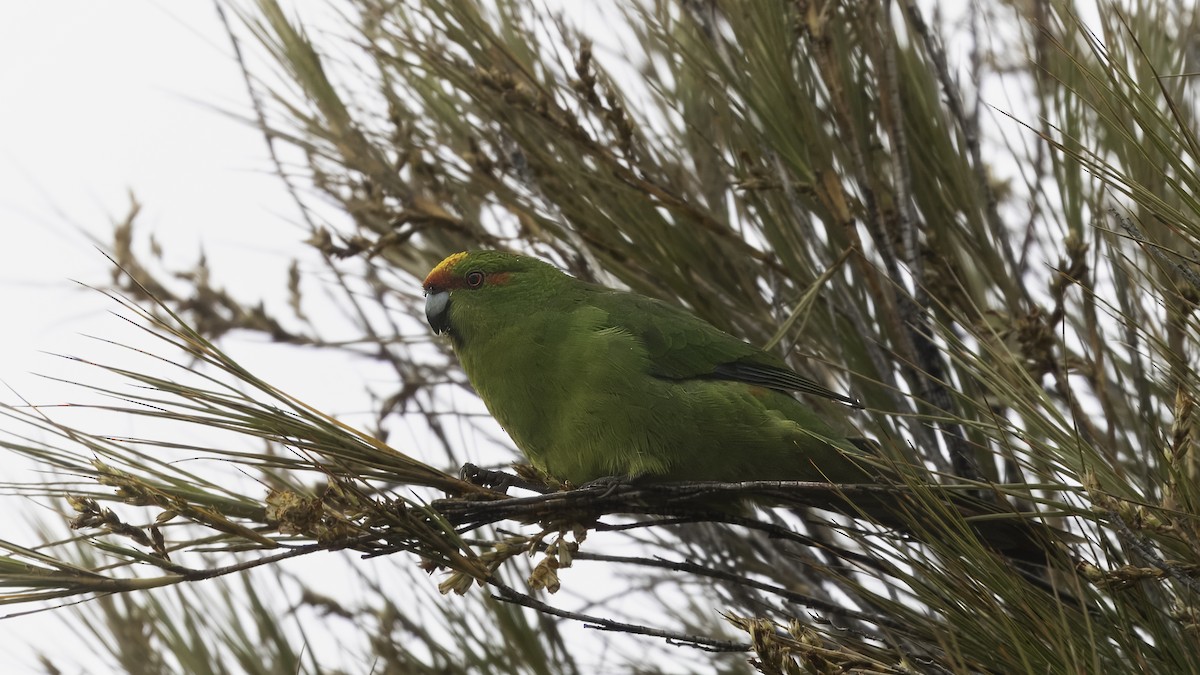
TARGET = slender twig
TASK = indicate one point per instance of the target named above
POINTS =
(791, 596)
(967, 124)
(506, 593)
(260, 115)
(1147, 551)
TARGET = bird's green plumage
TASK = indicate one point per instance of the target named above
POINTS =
(591, 382)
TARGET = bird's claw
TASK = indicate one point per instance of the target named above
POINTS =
(610, 483)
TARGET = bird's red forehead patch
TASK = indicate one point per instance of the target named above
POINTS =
(443, 275)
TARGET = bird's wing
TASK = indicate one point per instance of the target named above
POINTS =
(683, 346)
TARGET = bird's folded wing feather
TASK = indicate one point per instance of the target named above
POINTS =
(683, 346)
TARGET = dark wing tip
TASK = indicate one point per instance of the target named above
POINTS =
(817, 390)
(781, 379)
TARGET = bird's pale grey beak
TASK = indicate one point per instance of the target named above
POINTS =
(437, 311)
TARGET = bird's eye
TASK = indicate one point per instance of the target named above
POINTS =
(475, 279)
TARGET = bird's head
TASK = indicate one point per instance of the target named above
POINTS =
(473, 289)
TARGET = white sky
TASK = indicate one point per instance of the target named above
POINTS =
(103, 98)
(97, 99)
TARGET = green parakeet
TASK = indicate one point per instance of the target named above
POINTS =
(592, 383)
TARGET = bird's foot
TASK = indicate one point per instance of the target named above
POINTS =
(608, 483)
(488, 478)
(500, 481)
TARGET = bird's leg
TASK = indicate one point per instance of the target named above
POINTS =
(500, 481)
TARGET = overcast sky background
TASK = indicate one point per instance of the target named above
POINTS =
(101, 99)
(98, 99)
